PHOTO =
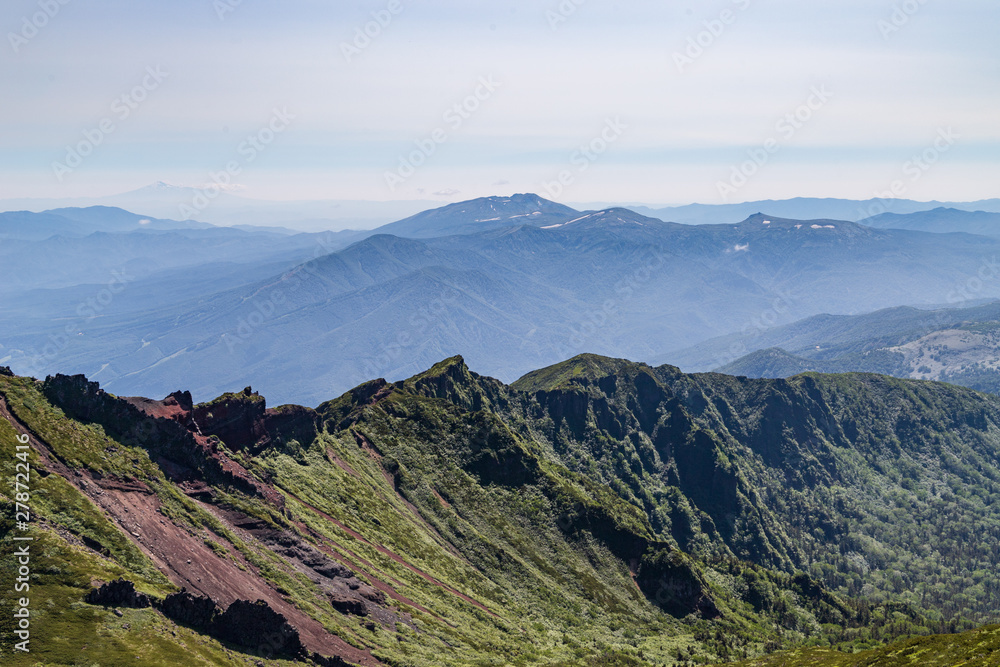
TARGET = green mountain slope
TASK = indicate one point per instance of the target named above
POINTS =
(824, 337)
(966, 354)
(597, 511)
(978, 648)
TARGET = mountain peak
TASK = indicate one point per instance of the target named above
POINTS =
(581, 369)
(483, 214)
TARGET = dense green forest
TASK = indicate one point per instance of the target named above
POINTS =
(596, 512)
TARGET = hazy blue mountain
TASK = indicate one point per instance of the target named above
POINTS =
(480, 215)
(940, 220)
(165, 200)
(961, 346)
(98, 257)
(828, 337)
(29, 226)
(510, 299)
(113, 219)
(25, 225)
(804, 208)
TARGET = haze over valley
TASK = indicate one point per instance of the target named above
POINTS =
(451, 334)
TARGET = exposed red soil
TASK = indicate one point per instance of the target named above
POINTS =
(177, 407)
(168, 408)
(367, 446)
(441, 498)
(185, 558)
(339, 462)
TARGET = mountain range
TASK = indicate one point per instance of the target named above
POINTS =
(234, 208)
(940, 220)
(511, 283)
(595, 512)
(809, 208)
(957, 345)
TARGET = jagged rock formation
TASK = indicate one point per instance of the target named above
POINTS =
(187, 453)
(193, 611)
(257, 626)
(451, 519)
(119, 593)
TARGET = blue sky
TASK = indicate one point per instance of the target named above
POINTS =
(675, 102)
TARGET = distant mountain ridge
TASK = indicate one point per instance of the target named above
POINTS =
(525, 291)
(940, 220)
(957, 345)
(28, 226)
(163, 200)
(806, 208)
(966, 354)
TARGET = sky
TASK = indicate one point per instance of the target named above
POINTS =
(578, 100)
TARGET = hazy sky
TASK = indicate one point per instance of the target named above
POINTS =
(677, 101)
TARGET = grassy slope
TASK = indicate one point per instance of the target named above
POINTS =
(879, 488)
(498, 514)
(522, 623)
(977, 648)
(64, 629)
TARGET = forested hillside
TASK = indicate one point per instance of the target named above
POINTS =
(598, 511)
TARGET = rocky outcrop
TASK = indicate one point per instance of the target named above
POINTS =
(258, 627)
(120, 593)
(253, 625)
(236, 419)
(163, 428)
(347, 605)
(241, 421)
(191, 610)
(292, 422)
(672, 583)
